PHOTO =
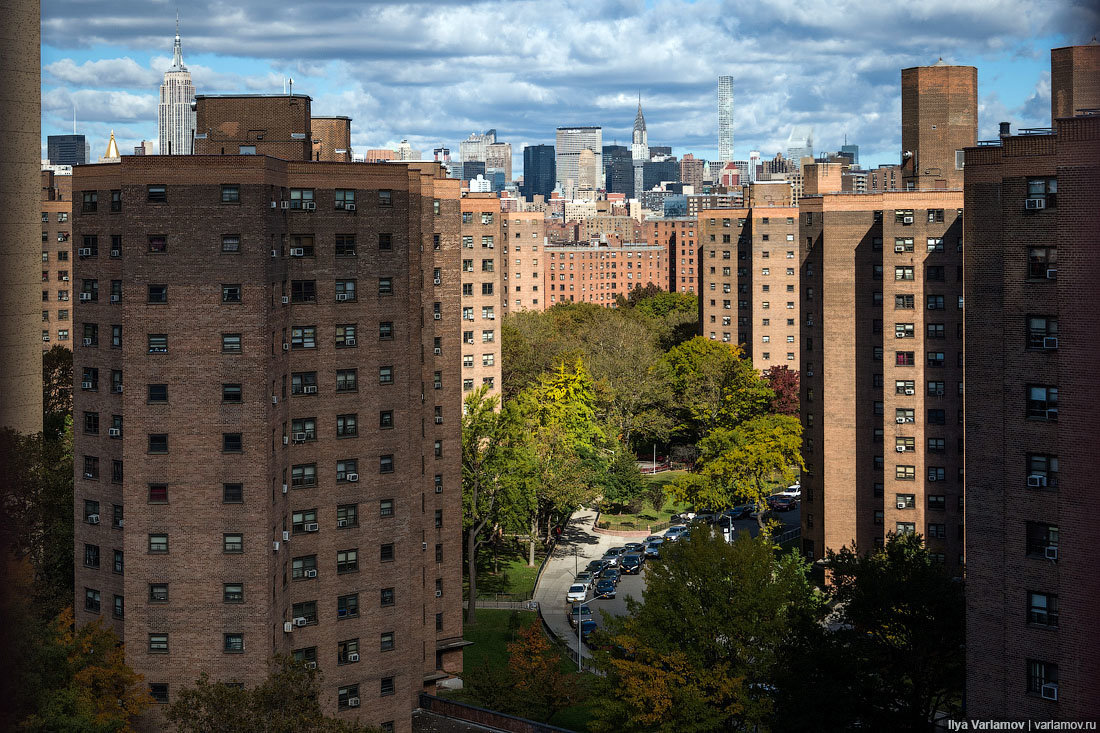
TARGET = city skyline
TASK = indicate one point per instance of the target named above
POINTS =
(112, 73)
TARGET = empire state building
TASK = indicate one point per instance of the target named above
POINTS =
(175, 116)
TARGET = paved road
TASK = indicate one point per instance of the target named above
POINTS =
(576, 547)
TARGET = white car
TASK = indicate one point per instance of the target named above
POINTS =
(794, 491)
(577, 593)
(673, 533)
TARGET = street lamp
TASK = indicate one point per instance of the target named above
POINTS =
(580, 622)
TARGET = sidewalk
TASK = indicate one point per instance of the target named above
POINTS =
(577, 536)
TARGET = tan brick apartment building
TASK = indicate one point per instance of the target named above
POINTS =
(1033, 590)
(57, 263)
(482, 291)
(598, 272)
(524, 235)
(676, 235)
(267, 422)
(881, 336)
(750, 267)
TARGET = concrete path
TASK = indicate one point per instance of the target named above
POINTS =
(576, 547)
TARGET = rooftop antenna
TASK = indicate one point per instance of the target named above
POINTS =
(292, 86)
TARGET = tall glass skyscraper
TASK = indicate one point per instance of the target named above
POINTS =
(175, 117)
(538, 171)
(725, 118)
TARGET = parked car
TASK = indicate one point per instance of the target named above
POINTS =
(683, 517)
(673, 533)
(794, 491)
(741, 511)
(611, 557)
(583, 613)
(595, 566)
(653, 548)
(584, 577)
(612, 574)
(587, 627)
(633, 547)
(576, 593)
(705, 518)
(631, 563)
(605, 588)
(782, 503)
(654, 538)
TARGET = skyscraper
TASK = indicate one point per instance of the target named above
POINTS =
(800, 143)
(66, 149)
(725, 119)
(639, 142)
(569, 144)
(175, 116)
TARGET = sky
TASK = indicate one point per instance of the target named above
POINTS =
(436, 70)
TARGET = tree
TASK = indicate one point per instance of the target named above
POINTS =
(784, 383)
(622, 484)
(741, 465)
(57, 388)
(490, 492)
(84, 683)
(537, 677)
(700, 651)
(714, 386)
(285, 702)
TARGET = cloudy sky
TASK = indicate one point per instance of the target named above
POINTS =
(436, 70)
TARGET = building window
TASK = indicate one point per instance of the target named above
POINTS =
(386, 553)
(158, 243)
(1042, 263)
(234, 643)
(91, 556)
(303, 475)
(233, 592)
(1042, 608)
(231, 293)
(158, 493)
(385, 375)
(1043, 190)
(1042, 471)
(303, 567)
(345, 336)
(1042, 333)
(1042, 539)
(231, 243)
(158, 643)
(343, 197)
(347, 652)
(231, 343)
(232, 443)
(387, 597)
(385, 507)
(346, 426)
(347, 606)
(347, 470)
(345, 245)
(233, 543)
(387, 686)
(905, 473)
(346, 380)
(1042, 403)
(303, 337)
(1041, 676)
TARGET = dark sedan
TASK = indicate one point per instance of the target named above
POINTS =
(611, 574)
(605, 588)
(595, 566)
(584, 613)
(631, 564)
(782, 503)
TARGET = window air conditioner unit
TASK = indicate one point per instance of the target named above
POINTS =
(438, 420)
(297, 251)
(910, 391)
(85, 252)
(939, 393)
(311, 573)
(352, 477)
(118, 388)
(116, 253)
(353, 657)
(65, 278)
(284, 488)
(349, 341)
(89, 474)
(1051, 552)
(312, 527)
(1036, 481)
(299, 437)
(439, 594)
(311, 665)
(1049, 691)
(1052, 273)
(285, 300)
(87, 342)
(353, 702)
(310, 389)
(274, 399)
(901, 449)
(93, 519)
(85, 296)
(286, 536)
(275, 546)
(284, 205)
(437, 316)
(900, 420)
(300, 621)
(285, 440)
(286, 346)
(85, 385)
(349, 207)
(114, 432)
(437, 351)
(1033, 204)
(288, 627)
(901, 505)
(274, 253)
(341, 522)
(1050, 342)
(116, 298)
(899, 247)
(932, 477)
(438, 281)
(341, 297)
(274, 204)
(1052, 414)
(906, 220)
(309, 205)
(910, 419)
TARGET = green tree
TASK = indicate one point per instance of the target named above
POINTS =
(536, 674)
(701, 649)
(83, 683)
(285, 702)
(491, 493)
(742, 465)
(715, 386)
(57, 388)
(622, 483)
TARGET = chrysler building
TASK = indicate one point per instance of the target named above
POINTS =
(175, 115)
(639, 146)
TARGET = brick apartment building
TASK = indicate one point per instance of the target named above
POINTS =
(597, 272)
(1033, 591)
(482, 291)
(524, 234)
(57, 251)
(281, 473)
(676, 235)
(881, 336)
(750, 268)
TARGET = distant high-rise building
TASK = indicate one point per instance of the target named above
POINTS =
(175, 115)
(67, 149)
(476, 146)
(538, 171)
(725, 119)
(800, 143)
(939, 118)
(618, 170)
(754, 167)
(441, 155)
(691, 171)
(406, 152)
(145, 147)
(851, 150)
(639, 141)
(588, 171)
(499, 155)
(569, 144)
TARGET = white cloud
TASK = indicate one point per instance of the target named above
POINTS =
(123, 72)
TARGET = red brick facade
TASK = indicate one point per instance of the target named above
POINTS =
(57, 261)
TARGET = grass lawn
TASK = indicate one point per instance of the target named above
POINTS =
(514, 581)
(490, 636)
(648, 516)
